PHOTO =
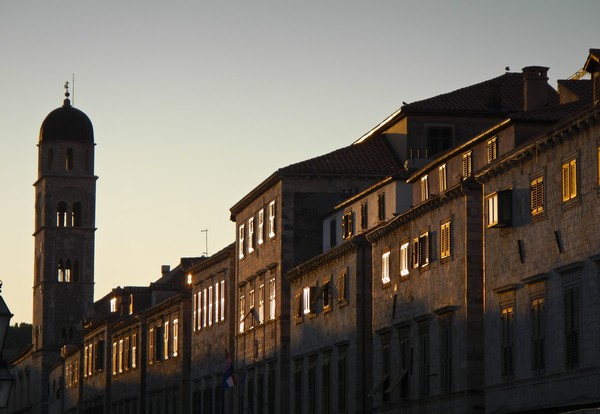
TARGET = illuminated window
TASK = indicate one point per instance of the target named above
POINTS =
(404, 259)
(364, 216)
(126, 355)
(385, 267)
(467, 164)
(195, 312)
(204, 308)
(347, 225)
(120, 356)
(424, 188)
(166, 340)
(114, 358)
(175, 336)
(251, 235)
(251, 300)
(499, 209)
(272, 298)
(272, 219)
(307, 294)
(569, 180)
(151, 346)
(210, 305)
(445, 240)
(241, 240)
(113, 305)
(443, 178)
(261, 303)
(134, 350)
(537, 196)
(222, 292)
(492, 149)
(242, 314)
(261, 226)
(85, 361)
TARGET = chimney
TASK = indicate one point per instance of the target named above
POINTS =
(165, 269)
(535, 87)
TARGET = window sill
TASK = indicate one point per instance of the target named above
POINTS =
(541, 216)
(566, 205)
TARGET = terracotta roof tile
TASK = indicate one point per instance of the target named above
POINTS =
(479, 98)
(373, 157)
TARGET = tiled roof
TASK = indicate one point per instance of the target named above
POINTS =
(373, 157)
(479, 98)
(553, 113)
(582, 88)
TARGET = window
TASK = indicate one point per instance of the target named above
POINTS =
(326, 387)
(415, 253)
(404, 259)
(424, 188)
(571, 303)
(242, 314)
(151, 346)
(198, 302)
(385, 267)
(492, 149)
(120, 356)
(445, 235)
(307, 295)
(499, 209)
(364, 216)
(333, 232)
(507, 342)
(261, 303)
(341, 287)
(347, 225)
(443, 178)
(241, 240)
(467, 167)
(272, 298)
(424, 361)
(537, 196)
(446, 353)
(439, 138)
(61, 214)
(134, 350)
(251, 239)
(175, 336)
(222, 293)
(569, 180)
(76, 215)
(538, 325)
(204, 308)
(69, 160)
(261, 226)
(210, 306)
(166, 341)
(126, 357)
(298, 310)
(326, 293)
(424, 249)
(251, 300)
(312, 387)
(341, 382)
(381, 207)
(272, 219)
(113, 305)
(114, 358)
(298, 387)
(195, 312)
(85, 361)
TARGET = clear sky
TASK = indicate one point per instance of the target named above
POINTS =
(194, 103)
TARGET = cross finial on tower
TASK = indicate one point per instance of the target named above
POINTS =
(67, 102)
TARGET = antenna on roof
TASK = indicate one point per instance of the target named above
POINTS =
(73, 88)
(205, 251)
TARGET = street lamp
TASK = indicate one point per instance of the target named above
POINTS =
(6, 379)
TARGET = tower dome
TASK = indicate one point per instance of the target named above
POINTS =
(67, 124)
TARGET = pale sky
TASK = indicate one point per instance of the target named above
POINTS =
(194, 103)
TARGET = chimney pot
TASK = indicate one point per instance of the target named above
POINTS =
(535, 87)
(164, 269)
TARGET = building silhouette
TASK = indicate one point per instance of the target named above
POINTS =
(446, 261)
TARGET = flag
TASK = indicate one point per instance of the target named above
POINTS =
(228, 376)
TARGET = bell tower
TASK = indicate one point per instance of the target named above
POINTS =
(65, 200)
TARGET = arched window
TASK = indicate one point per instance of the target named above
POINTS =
(61, 214)
(75, 272)
(76, 215)
(61, 271)
(69, 161)
(68, 271)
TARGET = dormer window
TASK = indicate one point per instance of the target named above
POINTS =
(467, 164)
(113, 305)
(424, 188)
(492, 149)
(443, 178)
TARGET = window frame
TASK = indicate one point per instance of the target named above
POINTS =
(241, 240)
(272, 219)
(569, 180)
(443, 177)
(347, 225)
(404, 259)
(491, 149)
(385, 268)
(446, 239)
(537, 196)
(467, 164)
(424, 188)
